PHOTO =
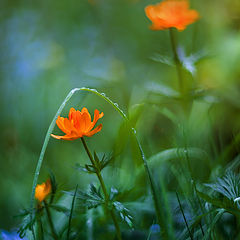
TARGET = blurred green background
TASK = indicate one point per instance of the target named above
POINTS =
(49, 47)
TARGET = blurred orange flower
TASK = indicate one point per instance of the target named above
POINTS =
(78, 124)
(171, 13)
(42, 190)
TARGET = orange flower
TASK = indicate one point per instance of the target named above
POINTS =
(78, 124)
(42, 190)
(171, 13)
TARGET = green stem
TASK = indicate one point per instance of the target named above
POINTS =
(185, 220)
(50, 221)
(71, 213)
(100, 178)
(40, 234)
(176, 59)
(152, 187)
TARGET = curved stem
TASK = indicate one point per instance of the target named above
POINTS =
(50, 221)
(100, 178)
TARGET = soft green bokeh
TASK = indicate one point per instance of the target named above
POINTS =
(49, 47)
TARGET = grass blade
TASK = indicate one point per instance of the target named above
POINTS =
(71, 213)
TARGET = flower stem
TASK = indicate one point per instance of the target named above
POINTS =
(40, 234)
(50, 221)
(71, 213)
(100, 178)
(176, 59)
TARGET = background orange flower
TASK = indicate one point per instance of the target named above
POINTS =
(171, 13)
(78, 124)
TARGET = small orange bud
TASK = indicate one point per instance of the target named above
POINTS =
(42, 190)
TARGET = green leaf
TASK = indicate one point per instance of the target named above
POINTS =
(135, 113)
(54, 186)
(53, 182)
(213, 223)
(60, 208)
(162, 90)
(123, 212)
(80, 168)
(105, 160)
(90, 199)
(90, 168)
(224, 203)
(189, 62)
(228, 185)
(163, 59)
(26, 224)
(114, 192)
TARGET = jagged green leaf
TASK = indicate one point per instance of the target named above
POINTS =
(163, 59)
(124, 213)
(60, 208)
(228, 185)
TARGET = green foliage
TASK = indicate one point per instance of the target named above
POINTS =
(228, 185)
(90, 199)
(124, 213)
(26, 223)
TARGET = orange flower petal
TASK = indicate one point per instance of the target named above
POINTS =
(66, 137)
(60, 124)
(97, 129)
(84, 110)
(69, 126)
(96, 116)
(85, 124)
(71, 113)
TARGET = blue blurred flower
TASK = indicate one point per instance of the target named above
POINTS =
(155, 228)
(4, 235)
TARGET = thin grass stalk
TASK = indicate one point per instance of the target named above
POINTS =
(71, 213)
(106, 196)
(153, 191)
(53, 231)
(185, 220)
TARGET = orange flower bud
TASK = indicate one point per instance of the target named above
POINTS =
(42, 190)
